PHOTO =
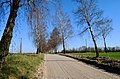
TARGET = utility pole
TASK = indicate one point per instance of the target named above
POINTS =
(11, 50)
(86, 44)
(20, 45)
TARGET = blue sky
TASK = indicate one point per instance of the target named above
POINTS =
(111, 9)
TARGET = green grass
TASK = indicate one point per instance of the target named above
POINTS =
(112, 55)
(20, 66)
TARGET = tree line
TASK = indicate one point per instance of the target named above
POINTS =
(88, 16)
(85, 49)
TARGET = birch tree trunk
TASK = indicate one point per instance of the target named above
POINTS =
(93, 38)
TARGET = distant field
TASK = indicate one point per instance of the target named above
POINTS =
(112, 55)
(20, 66)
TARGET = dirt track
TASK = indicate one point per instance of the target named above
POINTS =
(60, 67)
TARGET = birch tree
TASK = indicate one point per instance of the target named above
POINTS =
(88, 15)
(38, 23)
(104, 29)
(63, 22)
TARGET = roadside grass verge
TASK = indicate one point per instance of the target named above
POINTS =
(20, 66)
(111, 55)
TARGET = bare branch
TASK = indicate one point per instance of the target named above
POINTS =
(83, 31)
(28, 2)
(1, 4)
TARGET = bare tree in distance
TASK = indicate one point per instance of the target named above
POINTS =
(63, 22)
(13, 6)
(55, 39)
(39, 35)
(88, 15)
(104, 30)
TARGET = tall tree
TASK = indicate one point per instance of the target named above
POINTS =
(13, 6)
(39, 36)
(38, 28)
(88, 14)
(104, 30)
(7, 35)
(63, 22)
(55, 40)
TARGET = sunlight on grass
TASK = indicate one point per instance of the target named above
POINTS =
(112, 55)
(20, 66)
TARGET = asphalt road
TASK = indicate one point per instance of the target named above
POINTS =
(60, 67)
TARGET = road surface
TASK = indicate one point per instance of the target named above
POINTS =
(60, 67)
